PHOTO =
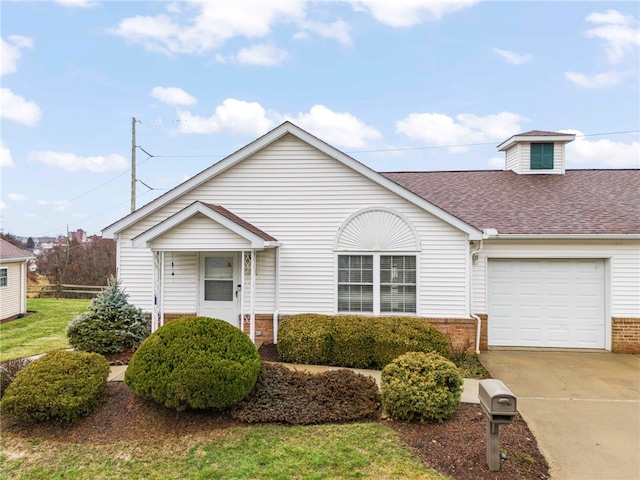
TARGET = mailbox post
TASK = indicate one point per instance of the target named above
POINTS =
(499, 405)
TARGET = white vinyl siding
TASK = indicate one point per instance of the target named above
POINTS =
(513, 158)
(180, 282)
(13, 294)
(199, 232)
(301, 197)
(622, 262)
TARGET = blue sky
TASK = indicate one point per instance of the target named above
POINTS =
(402, 85)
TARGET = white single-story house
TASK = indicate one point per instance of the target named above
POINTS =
(531, 256)
(13, 280)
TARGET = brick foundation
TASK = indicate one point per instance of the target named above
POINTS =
(264, 326)
(461, 332)
(625, 335)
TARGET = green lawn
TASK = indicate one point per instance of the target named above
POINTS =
(41, 332)
(364, 450)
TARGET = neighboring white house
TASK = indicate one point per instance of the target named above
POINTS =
(13, 280)
(534, 255)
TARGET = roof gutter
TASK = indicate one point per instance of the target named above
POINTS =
(491, 233)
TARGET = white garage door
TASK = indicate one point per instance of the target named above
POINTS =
(547, 303)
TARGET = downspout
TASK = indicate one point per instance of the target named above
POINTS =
(473, 315)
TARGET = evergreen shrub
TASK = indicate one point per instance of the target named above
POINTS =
(356, 341)
(423, 387)
(110, 325)
(395, 336)
(352, 341)
(194, 362)
(305, 338)
(302, 398)
(62, 386)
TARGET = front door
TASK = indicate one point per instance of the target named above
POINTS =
(219, 286)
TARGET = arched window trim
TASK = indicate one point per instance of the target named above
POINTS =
(402, 218)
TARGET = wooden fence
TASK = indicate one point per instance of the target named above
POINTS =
(61, 290)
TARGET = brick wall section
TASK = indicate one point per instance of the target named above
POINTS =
(264, 324)
(461, 332)
(625, 335)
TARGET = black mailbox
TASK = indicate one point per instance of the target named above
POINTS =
(497, 401)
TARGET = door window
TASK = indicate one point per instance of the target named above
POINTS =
(218, 279)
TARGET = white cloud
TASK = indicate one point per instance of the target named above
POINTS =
(262, 55)
(16, 108)
(73, 163)
(77, 3)
(600, 80)
(338, 128)
(601, 153)
(619, 32)
(6, 160)
(10, 52)
(173, 96)
(406, 13)
(442, 130)
(202, 26)
(512, 57)
(621, 39)
(3, 205)
(338, 30)
(235, 116)
(17, 196)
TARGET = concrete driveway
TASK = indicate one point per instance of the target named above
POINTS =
(583, 408)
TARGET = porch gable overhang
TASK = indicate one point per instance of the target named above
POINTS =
(257, 238)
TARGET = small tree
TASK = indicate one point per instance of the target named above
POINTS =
(110, 325)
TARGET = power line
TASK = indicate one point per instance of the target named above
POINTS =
(396, 149)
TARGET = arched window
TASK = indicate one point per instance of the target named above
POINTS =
(377, 263)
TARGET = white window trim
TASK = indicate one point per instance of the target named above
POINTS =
(376, 282)
(6, 276)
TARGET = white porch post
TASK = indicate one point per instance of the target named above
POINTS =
(161, 272)
(156, 291)
(242, 288)
(252, 317)
(276, 300)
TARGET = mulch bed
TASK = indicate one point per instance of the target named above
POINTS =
(455, 448)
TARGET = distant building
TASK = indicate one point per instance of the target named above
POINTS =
(79, 236)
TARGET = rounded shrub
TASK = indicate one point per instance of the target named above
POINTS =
(194, 362)
(395, 336)
(356, 341)
(422, 387)
(305, 338)
(62, 386)
(110, 325)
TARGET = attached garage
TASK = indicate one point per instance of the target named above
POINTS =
(547, 303)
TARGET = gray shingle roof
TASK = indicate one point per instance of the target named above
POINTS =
(239, 221)
(579, 202)
(8, 251)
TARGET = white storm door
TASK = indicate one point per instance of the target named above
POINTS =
(219, 286)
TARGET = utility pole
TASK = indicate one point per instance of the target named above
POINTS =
(133, 164)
